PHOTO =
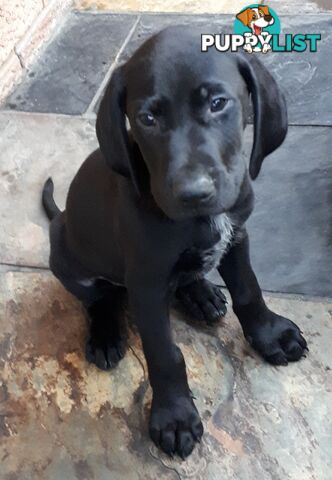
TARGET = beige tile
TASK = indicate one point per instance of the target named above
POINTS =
(40, 31)
(299, 7)
(10, 71)
(184, 6)
(15, 18)
(24, 27)
(34, 147)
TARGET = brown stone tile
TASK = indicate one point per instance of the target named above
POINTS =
(62, 418)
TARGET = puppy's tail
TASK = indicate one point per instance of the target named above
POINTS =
(48, 202)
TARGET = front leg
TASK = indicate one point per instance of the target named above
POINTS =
(276, 338)
(175, 425)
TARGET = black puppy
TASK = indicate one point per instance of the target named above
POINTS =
(162, 202)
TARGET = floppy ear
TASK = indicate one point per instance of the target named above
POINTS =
(264, 9)
(244, 17)
(270, 111)
(111, 129)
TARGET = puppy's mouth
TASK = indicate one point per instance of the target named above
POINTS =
(258, 30)
(185, 213)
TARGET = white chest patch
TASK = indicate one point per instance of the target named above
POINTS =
(225, 227)
(213, 255)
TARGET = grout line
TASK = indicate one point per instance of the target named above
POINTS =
(145, 376)
(23, 267)
(303, 297)
(54, 13)
(20, 59)
(183, 13)
(297, 296)
(272, 293)
(152, 14)
(319, 125)
(161, 461)
(308, 125)
(89, 115)
(69, 116)
(103, 84)
(31, 44)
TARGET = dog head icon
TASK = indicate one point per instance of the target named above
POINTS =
(256, 18)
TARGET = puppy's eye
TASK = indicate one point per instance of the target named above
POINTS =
(147, 119)
(254, 17)
(217, 104)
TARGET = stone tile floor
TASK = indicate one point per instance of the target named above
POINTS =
(61, 418)
(189, 6)
(209, 6)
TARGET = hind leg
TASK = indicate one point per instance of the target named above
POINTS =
(103, 301)
(106, 343)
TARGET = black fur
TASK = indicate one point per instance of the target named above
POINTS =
(142, 214)
(48, 202)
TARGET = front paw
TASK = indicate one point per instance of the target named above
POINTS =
(203, 300)
(175, 425)
(277, 339)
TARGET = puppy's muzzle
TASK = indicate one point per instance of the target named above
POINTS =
(196, 191)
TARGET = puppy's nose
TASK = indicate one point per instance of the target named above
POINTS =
(268, 18)
(197, 191)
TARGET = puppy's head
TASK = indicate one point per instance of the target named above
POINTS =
(256, 18)
(187, 111)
